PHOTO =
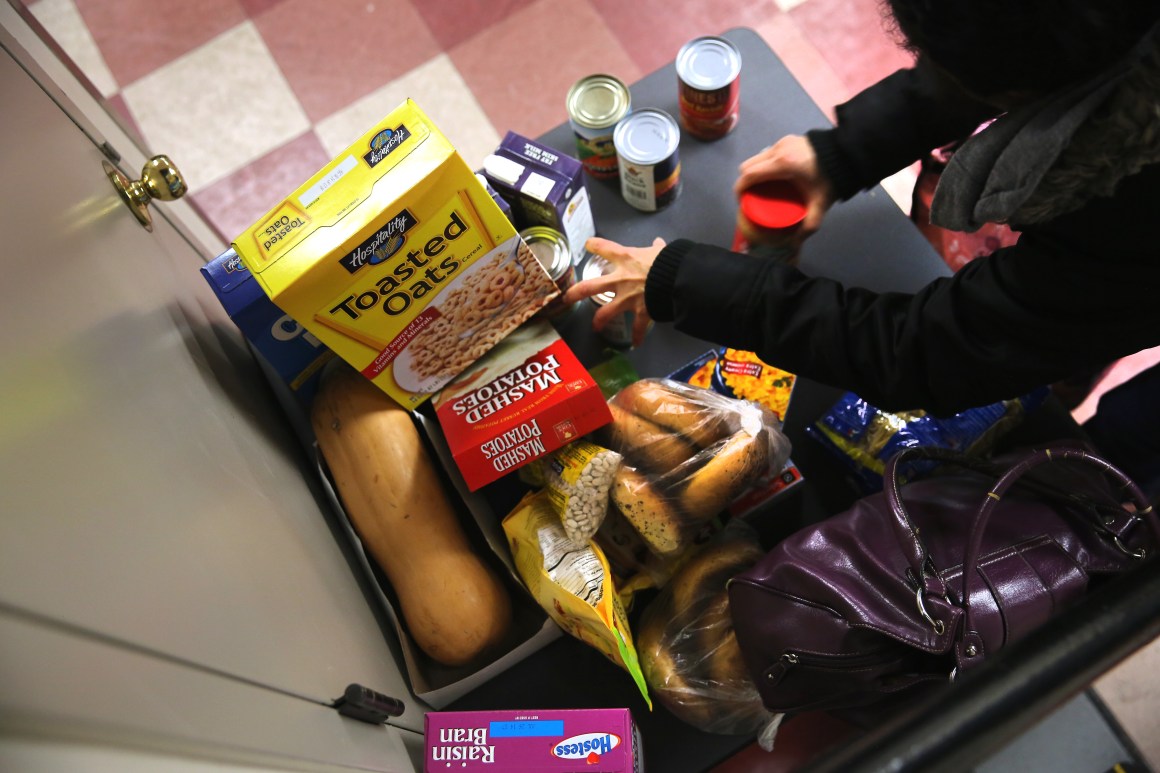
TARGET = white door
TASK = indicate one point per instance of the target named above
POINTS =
(150, 497)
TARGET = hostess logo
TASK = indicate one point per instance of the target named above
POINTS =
(384, 142)
(380, 245)
(580, 747)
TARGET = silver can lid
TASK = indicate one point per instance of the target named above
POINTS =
(550, 248)
(646, 136)
(595, 266)
(708, 63)
(598, 101)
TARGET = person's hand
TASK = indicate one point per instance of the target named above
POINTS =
(630, 267)
(792, 158)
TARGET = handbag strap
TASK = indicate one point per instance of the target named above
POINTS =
(905, 531)
(930, 583)
(971, 577)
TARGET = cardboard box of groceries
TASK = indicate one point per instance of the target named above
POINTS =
(396, 258)
(531, 629)
(292, 365)
(523, 400)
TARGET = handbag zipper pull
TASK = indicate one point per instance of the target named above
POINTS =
(778, 670)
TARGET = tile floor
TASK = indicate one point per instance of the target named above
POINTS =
(251, 97)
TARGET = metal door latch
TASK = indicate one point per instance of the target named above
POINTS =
(366, 705)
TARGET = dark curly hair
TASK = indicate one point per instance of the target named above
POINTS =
(996, 46)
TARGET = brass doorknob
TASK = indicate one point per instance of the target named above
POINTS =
(160, 180)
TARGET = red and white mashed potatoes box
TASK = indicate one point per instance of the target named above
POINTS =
(523, 400)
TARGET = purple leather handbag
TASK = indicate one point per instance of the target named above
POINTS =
(919, 581)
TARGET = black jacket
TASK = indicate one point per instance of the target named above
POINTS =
(1074, 293)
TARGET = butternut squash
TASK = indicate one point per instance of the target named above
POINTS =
(453, 605)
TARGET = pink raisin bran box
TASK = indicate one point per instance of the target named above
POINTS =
(547, 741)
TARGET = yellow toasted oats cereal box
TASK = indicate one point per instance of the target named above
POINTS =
(397, 259)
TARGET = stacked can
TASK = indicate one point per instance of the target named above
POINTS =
(618, 330)
(709, 76)
(596, 104)
(646, 151)
(768, 218)
(552, 251)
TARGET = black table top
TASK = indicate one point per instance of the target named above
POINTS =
(867, 242)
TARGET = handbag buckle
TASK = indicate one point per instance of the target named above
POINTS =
(1119, 543)
(938, 625)
(1136, 554)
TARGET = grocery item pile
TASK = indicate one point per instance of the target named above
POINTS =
(404, 308)
(672, 459)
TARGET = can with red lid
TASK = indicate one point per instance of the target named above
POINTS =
(709, 77)
(768, 218)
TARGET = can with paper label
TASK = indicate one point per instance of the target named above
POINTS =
(646, 152)
(596, 103)
(709, 76)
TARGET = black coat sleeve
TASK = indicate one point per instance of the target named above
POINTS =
(1070, 296)
(892, 124)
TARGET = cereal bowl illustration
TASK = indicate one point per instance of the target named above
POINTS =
(489, 299)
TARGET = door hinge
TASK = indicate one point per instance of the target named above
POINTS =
(110, 152)
(366, 705)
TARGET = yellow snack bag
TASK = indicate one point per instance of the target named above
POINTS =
(573, 585)
(577, 478)
(396, 257)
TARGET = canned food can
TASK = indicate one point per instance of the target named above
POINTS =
(768, 218)
(618, 330)
(596, 103)
(709, 79)
(646, 151)
(552, 251)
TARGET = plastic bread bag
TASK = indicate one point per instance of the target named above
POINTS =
(688, 453)
(633, 564)
(577, 479)
(688, 650)
(572, 584)
(864, 437)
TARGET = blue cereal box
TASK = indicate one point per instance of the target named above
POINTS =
(284, 346)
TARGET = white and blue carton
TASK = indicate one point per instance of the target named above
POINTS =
(544, 188)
